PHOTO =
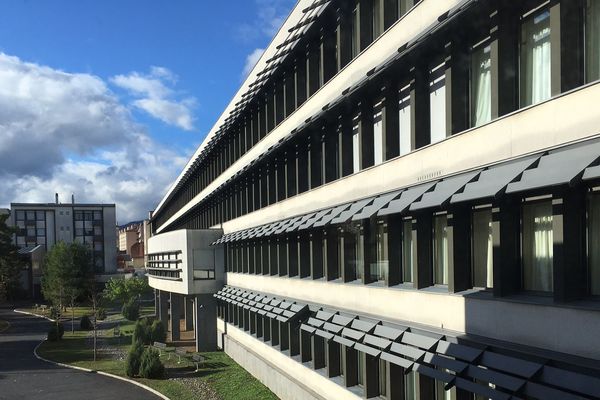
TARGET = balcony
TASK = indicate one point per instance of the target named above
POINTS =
(184, 261)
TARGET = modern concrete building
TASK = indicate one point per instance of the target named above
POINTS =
(41, 225)
(409, 196)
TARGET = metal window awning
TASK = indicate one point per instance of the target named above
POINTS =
(591, 173)
(443, 191)
(494, 180)
(333, 213)
(558, 167)
(354, 208)
(310, 222)
(406, 198)
(378, 204)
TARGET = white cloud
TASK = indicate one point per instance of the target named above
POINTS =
(68, 133)
(251, 61)
(156, 98)
(270, 16)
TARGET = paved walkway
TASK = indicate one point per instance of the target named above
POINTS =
(22, 376)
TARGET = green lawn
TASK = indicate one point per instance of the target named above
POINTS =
(219, 372)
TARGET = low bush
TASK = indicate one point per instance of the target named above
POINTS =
(150, 366)
(86, 324)
(142, 332)
(101, 314)
(131, 310)
(158, 333)
(56, 332)
(134, 357)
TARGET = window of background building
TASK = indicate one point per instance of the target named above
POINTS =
(440, 249)
(378, 136)
(20, 215)
(408, 250)
(594, 243)
(537, 246)
(535, 63)
(380, 272)
(483, 248)
(592, 40)
(404, 121)
(481, 84)
(437, 103)
(355, 148)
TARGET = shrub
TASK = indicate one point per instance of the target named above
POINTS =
(131, 310)
(141, 332)
(150, 366)
(134, 357)
(56, 332)
(86, 324)
(158, 333)
(101, 314)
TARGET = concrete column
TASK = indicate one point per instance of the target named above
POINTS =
(205, 311)
(175, 312)
(189, 313)
(163, 306)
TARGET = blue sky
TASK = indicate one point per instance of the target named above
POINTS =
(154, 72)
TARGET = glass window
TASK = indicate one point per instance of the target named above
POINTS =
(404, 6)
(481, 85)
(404, 121)
(382, 378)
(410, 386)
(97, 230)
(483, 248)
(342, 358)
(408, 250)
(40, 215)
(97, 215)
(437, 103)
(355, 29)
(31, 215)
(594, 243)
(535, 61)
(356, 148)
(20, 215)
(41, 232)
(592, 40)
(537, 246)
(41, 240)
(20, 240)
(361, 369)
(30, 231)
(378, 138)
(377, 18)
(40, 224)
(78, 215)
(380, 272)
(440, 250)
(360, 253)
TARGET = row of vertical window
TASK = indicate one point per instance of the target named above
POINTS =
(339, 35)
(393, 125)
(427, 249)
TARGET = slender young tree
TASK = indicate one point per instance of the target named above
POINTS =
(11, 264)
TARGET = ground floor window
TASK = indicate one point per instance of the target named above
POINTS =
(537, 246)
(594, 243)
(379, 272)
(483, 248)
(440, 250)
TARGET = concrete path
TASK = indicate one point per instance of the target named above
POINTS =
(22, 376)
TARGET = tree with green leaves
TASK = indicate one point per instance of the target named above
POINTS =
(11, 264)
(67, 275)
(126, 290)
